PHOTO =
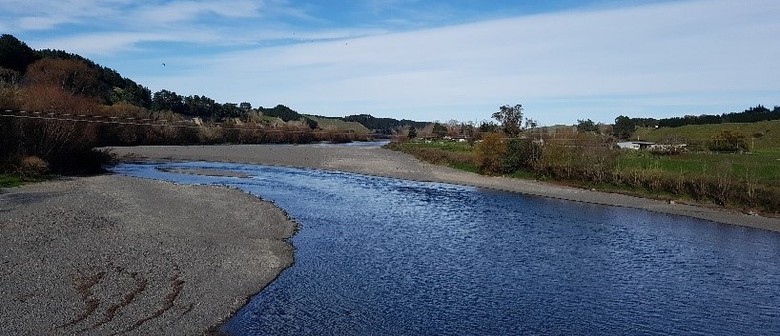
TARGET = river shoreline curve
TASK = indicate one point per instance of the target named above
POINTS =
(387, 163)
(113, 254)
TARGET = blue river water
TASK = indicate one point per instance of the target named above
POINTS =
(380, 256)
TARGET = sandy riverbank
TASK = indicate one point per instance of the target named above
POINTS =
(111, 255)
(382, 162)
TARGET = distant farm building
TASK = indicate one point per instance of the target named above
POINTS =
(646, 145)
(635, 145)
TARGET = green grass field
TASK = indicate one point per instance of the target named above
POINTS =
(693, 175)
(449, 146)
(761, 136)
(8, 181)
(761, 165)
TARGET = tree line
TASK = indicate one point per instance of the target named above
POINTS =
(750, 115)
(383, 125)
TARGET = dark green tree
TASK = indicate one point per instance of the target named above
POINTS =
(510, 118)
(131, 93)
(586, 126)
(624, 127)
(15, 54)
(201, 106)
(313, 124)
(488, 127)
(165, 100)
(230, 110)
(282, 112)
(9, 77)
(439, 130)
(412, 133)
(521, 154)
(728, 141)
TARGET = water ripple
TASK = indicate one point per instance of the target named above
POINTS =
(379, 256)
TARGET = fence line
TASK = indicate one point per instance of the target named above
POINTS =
(130, 121)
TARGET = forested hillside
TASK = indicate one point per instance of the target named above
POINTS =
(57, 106)
(383, 125)
(751, 115)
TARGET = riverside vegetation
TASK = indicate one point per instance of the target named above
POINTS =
(721, 165)
(57, 107)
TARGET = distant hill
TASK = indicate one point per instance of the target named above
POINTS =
(383, 125)
(751, 115)
(338, 124)
(78, 76)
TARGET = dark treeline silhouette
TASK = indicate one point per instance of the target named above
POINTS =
(383, 125)
(753, 114)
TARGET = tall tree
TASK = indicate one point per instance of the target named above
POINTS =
(624, 127)
(439, 130)
(168, 100)
(586, 126)
(511, 119)
(412, 133)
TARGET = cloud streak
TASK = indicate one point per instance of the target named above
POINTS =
(674, 56)
(664, 59)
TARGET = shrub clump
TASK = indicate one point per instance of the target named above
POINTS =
(728, 141)
(32, 166)
(490, 154)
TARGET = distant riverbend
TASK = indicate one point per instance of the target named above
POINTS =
(377, 255)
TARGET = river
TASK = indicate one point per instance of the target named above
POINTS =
(379, 256)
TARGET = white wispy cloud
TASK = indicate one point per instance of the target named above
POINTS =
(638, 60)
(669, 58)
(183, 11)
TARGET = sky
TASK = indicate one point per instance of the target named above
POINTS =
(426, 60)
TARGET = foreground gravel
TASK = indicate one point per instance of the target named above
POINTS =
(118, 255)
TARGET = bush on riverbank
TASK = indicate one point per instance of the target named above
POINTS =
(453, 158)
(723, 179)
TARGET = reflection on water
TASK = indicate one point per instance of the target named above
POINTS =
(385, 256)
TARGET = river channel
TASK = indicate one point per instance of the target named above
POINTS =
(381, 256)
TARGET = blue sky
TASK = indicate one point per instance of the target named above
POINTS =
(430, 60)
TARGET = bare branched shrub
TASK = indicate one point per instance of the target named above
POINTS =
(48, 138)
(9, 97)
(558, 160)
(724, 180)
(125, 110)
(71, 76)
(751, 185)
(32, 166)
(598, 162)
(42, 98)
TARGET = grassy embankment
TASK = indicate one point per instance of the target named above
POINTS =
(8, 181)
(749, 181)
(338, 125)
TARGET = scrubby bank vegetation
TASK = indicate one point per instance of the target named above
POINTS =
(56, 107)
(723, 170)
